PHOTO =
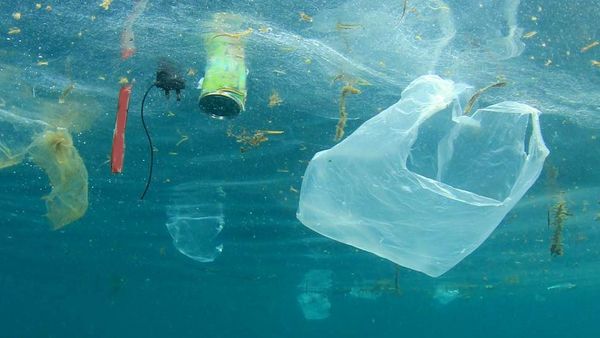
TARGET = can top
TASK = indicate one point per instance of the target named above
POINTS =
(220, 106)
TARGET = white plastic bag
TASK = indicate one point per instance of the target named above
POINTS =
(424, 201)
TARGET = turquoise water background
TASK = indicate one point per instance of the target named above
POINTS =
(117, 273)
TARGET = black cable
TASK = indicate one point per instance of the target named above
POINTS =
(149, 143)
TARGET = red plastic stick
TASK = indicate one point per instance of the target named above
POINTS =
(118, 146)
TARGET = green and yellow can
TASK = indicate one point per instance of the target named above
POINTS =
(224, 90)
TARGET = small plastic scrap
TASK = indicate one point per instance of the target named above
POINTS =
(562, 286)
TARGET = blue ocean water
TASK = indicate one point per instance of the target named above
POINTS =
(117, 272)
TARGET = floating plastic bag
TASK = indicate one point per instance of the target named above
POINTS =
(54, 152)
(424, 202)
(194, 229)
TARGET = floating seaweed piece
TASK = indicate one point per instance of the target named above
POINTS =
(305, 17)
(184, 138)
(403, 10)
(265, 29)
(590, 46)
(237, 35)
(347, 26)
(478, 93)
(275, 99)
(66, 93)
(106, 4)
(560, 213)
(252, 140)
(350, 80)
(341, 125)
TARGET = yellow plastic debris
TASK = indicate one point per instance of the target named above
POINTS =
(54, 152)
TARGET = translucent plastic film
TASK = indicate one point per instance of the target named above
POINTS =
(194, 229)
(422, 184)
(16, 133)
